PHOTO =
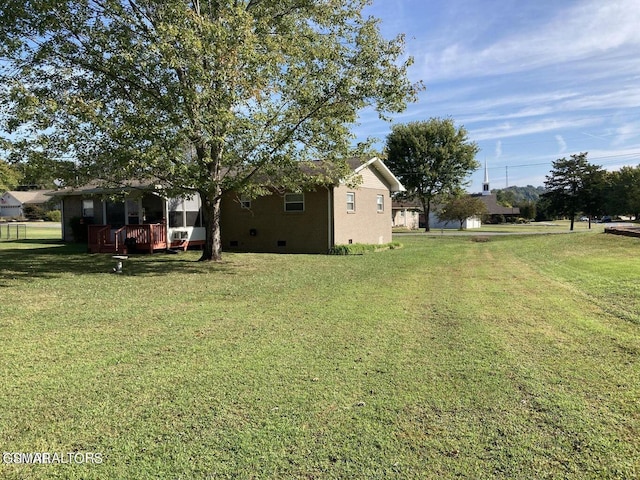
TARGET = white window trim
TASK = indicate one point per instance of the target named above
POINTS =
(286, 203)
(86, 209)
(352, 202)
(380, 203)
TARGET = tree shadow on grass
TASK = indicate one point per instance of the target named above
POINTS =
(42, 259)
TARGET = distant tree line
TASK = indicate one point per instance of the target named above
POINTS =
(576, 188)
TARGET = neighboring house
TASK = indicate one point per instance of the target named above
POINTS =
(288, 222)
(12, 203)
(497, 213)
(408, 213)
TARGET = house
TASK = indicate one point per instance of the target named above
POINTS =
(308, 221)
(13, 203)
(406, 213)
(497, 213)
(409, 214)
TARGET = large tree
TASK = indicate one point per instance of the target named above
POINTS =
(9, 176)
(624, 192)
(573, 186)
(431, 158)
(199, 96)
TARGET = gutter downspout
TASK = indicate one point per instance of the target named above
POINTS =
(330, 238)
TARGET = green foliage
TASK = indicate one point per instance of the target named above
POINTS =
(623, 193)
(38, 171)
(513, 196)
(574, 185)
(9, 176)
(460, 208)
(432, 159)
(527, 209)
(34, 212)
(53, 216)
(362, 248)
(203, 97)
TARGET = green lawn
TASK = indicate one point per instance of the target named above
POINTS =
(556, 226)
(515, 357)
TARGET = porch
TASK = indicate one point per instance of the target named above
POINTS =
(144, 238)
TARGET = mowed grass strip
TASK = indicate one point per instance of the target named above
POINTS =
(510, 358)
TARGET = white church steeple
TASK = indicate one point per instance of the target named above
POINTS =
(485, 185)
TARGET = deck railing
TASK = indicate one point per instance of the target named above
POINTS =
(98, 237)
(148, 237)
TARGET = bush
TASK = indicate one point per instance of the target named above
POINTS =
(34, 212)
(54, 216)
(362, 248)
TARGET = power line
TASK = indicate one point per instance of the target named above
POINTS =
(523, 165)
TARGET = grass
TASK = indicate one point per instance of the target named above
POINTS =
(557, 226)
(516, 357)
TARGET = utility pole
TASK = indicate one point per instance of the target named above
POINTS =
(506, 169)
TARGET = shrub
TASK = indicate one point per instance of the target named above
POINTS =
(54, 216)
(362, 248)
(34, 212)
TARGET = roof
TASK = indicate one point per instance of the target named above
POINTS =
(31, 196)
(378, 164)
(402, 204)
(493, 208)
(94, 188)
(319, 167)
(490, 201)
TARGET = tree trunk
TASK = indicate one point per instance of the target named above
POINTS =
(212, 250)
(426, 207)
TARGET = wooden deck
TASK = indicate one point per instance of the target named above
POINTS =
(128, 239)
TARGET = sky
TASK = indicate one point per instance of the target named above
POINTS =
(531, 81)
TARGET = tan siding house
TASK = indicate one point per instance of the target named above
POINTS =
(314, 221)
(363, 215)
(289, 222)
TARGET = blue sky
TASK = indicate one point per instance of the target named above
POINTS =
(531, 81)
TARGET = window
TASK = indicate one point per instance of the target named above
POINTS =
(294, 202)
(192, 211)
(351, 202)
(87, 208)
(133, 212)
(115, 214)
(184, 212)
(176, 216)
(245, 202)
(380, 203)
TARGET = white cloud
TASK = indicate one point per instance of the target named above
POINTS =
(508, 129)
(625, 133)
(498, 148)
(562, 145)
(584, 31)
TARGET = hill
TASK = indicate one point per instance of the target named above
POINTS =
(511, 196)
